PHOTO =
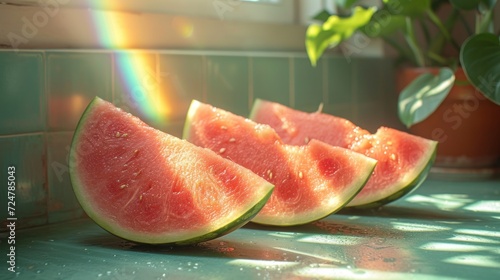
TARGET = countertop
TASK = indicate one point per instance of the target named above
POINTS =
(443, 230)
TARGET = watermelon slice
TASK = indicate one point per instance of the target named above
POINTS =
(311, 182)
(150, 187)
(403, 159)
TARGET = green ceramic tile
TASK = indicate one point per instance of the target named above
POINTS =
(271, 79)
(28, 157)
(175, 128)
(346, 111)
(368, 80)
(21, 92)
(61, 196)
(340, 80)
(138, 87)
(308, 82)
(183, 79)
(74, 79)
(227, 83)
(370, 116)
(390, 95)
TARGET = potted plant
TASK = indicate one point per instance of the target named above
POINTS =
(447, 84)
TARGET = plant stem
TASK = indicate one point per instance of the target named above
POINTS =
(425, 30)
(435, 19)
(402, 51)
(438, 43)
(443, 61)
(485, 22)
(465, 24)
(409, 35)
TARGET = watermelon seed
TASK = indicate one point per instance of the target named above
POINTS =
(223, 127)
(301, 175)
(222, 150)
(123, 186)
(232, 140)
(140, 197)
(393, 156)
(124, 135)
(306, 140)
(117, 134)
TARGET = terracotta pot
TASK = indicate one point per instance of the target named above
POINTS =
(466, 124)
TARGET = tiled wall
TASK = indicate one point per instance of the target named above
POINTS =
(43, 93)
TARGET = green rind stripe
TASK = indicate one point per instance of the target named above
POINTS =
(145, 237)
(241, 221)
(306, 217)
(407, 188)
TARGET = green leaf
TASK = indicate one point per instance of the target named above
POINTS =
(424, 95)
(480, 58)
(465, 4)
(488, 3)
(334, 31)
(346, 4)
(383, 24)
(411, 8)
(322, 16)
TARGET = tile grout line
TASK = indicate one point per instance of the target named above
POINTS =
(325, 81)
(291, 83)
(204, 77)
(41, 132)
(45, 135)
(113, 80)
(250, 84)
(354, 89)
(157, 68)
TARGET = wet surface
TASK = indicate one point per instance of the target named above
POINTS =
(445, 230)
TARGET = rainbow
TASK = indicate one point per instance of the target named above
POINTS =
(138, 73)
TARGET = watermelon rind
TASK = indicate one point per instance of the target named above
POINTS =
(418, 178)
(411, 180)
(208, 232)
(317, 213)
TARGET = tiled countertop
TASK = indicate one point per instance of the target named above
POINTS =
(444, 230)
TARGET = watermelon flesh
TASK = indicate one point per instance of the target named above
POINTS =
(403, 159)
(150, 187)
(311, 181)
